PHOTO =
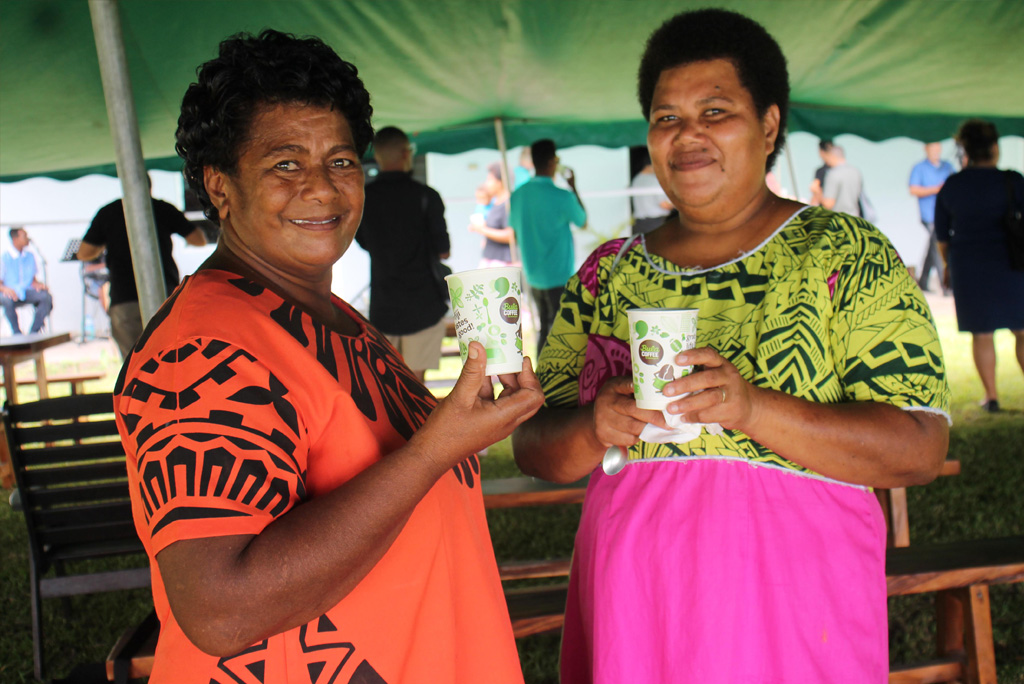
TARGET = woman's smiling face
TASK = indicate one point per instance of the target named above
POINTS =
(292, 206)
(707, 143)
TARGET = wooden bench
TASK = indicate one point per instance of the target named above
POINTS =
(72, 485)
(894, 507)
(76, 381)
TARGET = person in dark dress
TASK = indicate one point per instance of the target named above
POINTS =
(497, 247)
(969, 211)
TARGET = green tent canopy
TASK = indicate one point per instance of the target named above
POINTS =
(445, 70)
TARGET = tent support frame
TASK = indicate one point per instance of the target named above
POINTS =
(131, 169)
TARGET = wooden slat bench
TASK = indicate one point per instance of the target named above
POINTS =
(76, 381)
(72, 486)
(894, 507)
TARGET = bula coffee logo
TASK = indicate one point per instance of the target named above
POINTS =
(651, 352)
(509, 310)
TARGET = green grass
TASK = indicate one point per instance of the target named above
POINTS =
(983, 501)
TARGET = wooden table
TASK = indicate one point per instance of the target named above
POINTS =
(15, 349)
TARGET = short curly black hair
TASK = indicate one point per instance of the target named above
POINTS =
(251, 71)
(976, 137)
(708, 34)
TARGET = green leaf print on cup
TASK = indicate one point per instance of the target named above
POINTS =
(641, 329)
(455, 287)
(501, 286)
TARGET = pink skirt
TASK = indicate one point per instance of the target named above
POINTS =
(716, 571)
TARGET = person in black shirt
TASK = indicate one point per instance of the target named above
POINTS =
(405, 234)
(109, 231)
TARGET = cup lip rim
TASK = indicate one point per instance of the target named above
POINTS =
(655, 309)
(491, 269)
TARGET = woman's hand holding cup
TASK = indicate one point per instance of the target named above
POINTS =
(717, 393)
(470, 418)
(617, 419)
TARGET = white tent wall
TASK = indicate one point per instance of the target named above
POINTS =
(54, 212)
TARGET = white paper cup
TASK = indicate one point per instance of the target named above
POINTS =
(487, 303)
(656, 336)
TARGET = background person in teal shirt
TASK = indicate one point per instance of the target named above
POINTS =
(540, 215)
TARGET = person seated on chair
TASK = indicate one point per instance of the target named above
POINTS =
(19, 285)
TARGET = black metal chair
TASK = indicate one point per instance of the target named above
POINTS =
(69, 467)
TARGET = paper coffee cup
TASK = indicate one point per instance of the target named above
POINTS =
(487, 303)
(656, 336)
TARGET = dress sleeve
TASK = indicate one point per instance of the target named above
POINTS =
(562, 360)
(883, 337)
(215, 444)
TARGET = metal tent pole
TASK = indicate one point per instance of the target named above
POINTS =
(499, 133)
(527, 304)
(131, 169)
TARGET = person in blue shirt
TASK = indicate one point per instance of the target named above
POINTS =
(540, 215)
(926, 179)
(19, 285)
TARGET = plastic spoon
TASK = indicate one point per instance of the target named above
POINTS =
(614, 460)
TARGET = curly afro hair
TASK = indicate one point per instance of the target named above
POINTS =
(252, 71)
(708, 34)
(976, 137)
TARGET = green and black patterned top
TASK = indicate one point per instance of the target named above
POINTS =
(824, 309)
